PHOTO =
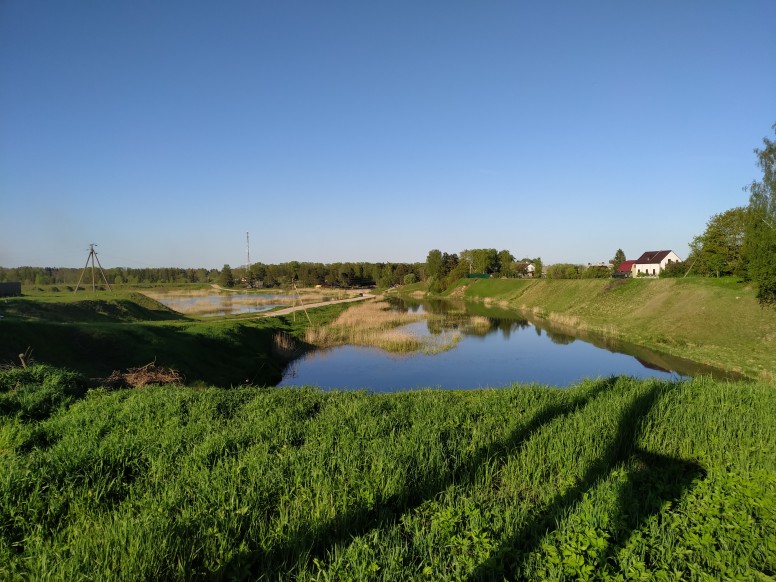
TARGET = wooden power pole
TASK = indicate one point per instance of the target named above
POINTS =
(92, 257)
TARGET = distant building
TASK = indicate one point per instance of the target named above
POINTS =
(652, 262)
(625, 269)
(11, 289)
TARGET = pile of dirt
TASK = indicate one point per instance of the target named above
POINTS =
(143, 376)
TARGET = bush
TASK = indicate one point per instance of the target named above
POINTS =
(674, 270)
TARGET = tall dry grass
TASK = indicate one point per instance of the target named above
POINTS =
(374, 324)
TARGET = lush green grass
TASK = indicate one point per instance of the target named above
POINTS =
(97, 333)
(613, 479)
(717, 322)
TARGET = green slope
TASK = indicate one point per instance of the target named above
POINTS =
(710, 321)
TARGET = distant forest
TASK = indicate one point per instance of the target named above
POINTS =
(304, 274)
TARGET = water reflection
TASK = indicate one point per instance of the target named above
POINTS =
(496, 348)
(210, 304)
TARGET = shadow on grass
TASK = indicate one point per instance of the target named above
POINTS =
(653, 480)
(306, 545)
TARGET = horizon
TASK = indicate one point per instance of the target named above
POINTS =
(285, 262)
(165, 132)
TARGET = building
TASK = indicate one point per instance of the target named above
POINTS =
(625, 269)
(10, 289)
(652, 262)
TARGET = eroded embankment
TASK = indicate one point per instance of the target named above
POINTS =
(714, 322)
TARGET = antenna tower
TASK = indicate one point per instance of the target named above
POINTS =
(248, 247)
(92, 257)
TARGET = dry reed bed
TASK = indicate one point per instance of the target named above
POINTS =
(375, 324)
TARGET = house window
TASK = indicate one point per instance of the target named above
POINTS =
(653, 271)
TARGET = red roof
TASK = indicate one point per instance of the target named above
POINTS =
(651, 257)
(626, 266)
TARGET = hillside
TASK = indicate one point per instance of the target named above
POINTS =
(97, 333)
(710, 321)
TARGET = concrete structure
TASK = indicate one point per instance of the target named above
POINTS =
(652, 262)
(11, 289)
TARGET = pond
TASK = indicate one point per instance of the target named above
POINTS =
(214, 304)
(506, 350)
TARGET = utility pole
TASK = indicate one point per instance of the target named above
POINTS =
(92, 256)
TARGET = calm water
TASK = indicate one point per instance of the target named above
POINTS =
(508, 350)
(224, 303)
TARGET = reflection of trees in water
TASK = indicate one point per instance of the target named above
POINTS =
(476, 325)
(559, 338)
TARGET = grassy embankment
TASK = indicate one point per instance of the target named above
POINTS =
(96, 333)
(710, 321)
(614, 479)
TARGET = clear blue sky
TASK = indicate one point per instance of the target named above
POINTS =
(374, 131)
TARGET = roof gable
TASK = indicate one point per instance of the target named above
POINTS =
(652, 257)
(626, 266)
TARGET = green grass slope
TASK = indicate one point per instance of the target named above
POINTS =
(96, 334)
(610, 480)
(714, 322)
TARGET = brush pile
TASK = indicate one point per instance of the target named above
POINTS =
(143, 376)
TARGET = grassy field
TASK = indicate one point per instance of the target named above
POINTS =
(717, 322)
(97, 333)
(614, 479)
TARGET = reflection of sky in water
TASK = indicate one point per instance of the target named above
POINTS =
(224, 304)
(512, 353)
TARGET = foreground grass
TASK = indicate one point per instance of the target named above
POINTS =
(716, 322)
(613, 479)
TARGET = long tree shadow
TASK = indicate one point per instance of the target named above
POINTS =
(308, 544)
(652, 480)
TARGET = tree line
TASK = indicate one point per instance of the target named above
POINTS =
(443, 269)
(258, 275)
(348, 274)
(115, 275)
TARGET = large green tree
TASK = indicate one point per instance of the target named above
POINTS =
(760, 234)
(434, 264)
(506, 263)
(226, 278)
(481, 260)
(619, 258)
(719, 250)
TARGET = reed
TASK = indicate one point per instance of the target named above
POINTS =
(374, 324)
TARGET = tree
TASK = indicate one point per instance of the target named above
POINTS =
(719, 250)
(434, 264)
(760, 233)
(481, 260)
(506, 263)
(619, 258)
(226, 279)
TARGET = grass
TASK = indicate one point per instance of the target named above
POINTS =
(97, 333)
(716, 322)
(613, 479)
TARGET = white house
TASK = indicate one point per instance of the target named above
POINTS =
(652, 262)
